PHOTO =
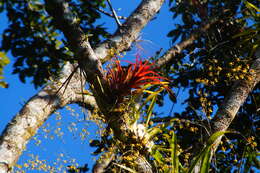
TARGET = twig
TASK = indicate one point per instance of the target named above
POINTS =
(109, 14)
(114, 13)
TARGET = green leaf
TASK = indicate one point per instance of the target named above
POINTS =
(206, 151)
(215, 136)
(251, 6)
(244, 33)
(174, 154)
(154, 131)
(150, 109)
(196, 161)
(150, 97)
(100, 84)
(158, 157)
(4, 60)
(206, 161)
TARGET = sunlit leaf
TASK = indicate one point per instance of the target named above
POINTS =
(206, 151)
(4, 60)
(150, 109)
(206, 161)
(250, 5)
(174, 155)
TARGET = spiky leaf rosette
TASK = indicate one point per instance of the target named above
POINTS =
(124, 80)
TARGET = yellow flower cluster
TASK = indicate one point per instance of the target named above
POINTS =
(251, 141)
(205, 104)
(216, 71)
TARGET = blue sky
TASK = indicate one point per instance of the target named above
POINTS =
(153, 38)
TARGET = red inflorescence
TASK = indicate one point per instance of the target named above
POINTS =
(123, 79)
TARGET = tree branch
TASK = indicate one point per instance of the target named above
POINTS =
(130, 29)
(233, 101)
(178, 48)
(110, 15)
(77, 39)
(85, 101)
(103, 162)
(114, 13)
(35, 112)
(235, 98)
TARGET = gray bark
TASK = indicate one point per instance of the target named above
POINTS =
(35, 112)
(232, 103)
(178, 48)
(235, 99)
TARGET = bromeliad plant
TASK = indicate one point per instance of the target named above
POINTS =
(130, 81)
(121, 86)
(125, 81)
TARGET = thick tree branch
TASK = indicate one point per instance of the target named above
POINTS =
(102, 163)
(233, 101)
(85, 101)
(178, 48)
(33, 114)
(26, 123)
(130, 29)
(78, 41)
(235, 98)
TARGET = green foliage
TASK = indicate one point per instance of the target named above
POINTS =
(174, 154)
(206, 70)
(204, 157)
(39, 48)
(4, 60)
(209, 67)
(152, 97)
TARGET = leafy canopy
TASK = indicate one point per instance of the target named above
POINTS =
(205, 70)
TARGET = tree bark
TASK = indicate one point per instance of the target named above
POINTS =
(103, 161)
(77, 39)
(35, 112)
(232, 103)
(130, 29)
(235, 99)
(178, 48)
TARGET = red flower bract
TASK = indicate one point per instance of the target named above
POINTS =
(123, 79)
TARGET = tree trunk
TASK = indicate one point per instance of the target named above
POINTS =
(36, 111)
